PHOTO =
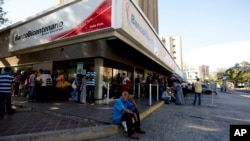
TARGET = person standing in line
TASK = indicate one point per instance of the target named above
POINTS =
(32, 80)
(178, 92)
(76, 89)
(83, 90)
(137, 85)
(17, 79)
(6, 84)
(90, 77)
(197, 91)
(43, 94)
(124, 111)
(126, 83)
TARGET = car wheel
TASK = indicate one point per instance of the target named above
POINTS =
(208, 92)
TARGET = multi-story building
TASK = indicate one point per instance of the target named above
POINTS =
(174, 45)
(150, 9)
(194, 72)
(204, 72)
(60, 1)
(191, 73)
(112, 42)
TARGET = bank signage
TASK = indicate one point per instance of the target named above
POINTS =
(76, 19)
(135, 25)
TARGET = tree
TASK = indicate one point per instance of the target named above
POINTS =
(239, 73)
(3, 19)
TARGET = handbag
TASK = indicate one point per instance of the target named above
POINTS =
(73, 85)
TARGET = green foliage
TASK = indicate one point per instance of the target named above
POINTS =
(239, 73)
(3, 19)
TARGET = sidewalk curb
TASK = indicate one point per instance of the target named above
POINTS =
(83, 134)
(151, 110)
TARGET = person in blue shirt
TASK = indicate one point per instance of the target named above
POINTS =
(125, 109)
(90, 85)
(6, 85)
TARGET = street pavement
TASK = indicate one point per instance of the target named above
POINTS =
(208, 122)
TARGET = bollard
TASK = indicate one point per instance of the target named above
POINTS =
(150, 94)
(139, 93)
(108, 94)
(214, 87)
(157, 92)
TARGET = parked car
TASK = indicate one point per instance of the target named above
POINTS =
(206, 90)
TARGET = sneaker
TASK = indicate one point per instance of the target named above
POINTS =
(92, 104)
(140, 132)
(134, 137)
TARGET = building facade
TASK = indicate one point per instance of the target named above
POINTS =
(174, 45)
(204, 72)
(191, 73)
(99, 37)
(149, 8)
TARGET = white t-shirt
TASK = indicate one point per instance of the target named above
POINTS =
(43, 77)
(165, 94)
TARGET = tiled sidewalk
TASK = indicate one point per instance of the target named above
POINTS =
(42, 117)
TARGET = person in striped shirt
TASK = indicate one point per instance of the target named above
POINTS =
(6, 85)
(90, 86)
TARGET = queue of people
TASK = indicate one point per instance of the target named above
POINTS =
(42, 86)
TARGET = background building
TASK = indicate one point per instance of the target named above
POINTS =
(174, 46)
(150, 9)
(192, 73)
(204, 72)
(60, 1)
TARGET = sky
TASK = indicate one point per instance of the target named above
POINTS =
(213, 32)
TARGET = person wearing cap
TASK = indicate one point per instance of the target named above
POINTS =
(6, 85)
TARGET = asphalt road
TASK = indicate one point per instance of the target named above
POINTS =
(244, 90)
(208, 122)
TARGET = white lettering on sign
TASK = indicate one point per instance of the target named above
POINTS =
(240, 132)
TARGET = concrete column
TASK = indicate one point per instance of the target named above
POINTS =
(99, 79)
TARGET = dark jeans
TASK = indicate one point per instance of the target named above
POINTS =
(90, 94)
(5, 99)
(63, 94)
(31, 93)
(195, 97)
(16, 91)
(128, 118)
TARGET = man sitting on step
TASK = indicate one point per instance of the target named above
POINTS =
(125, 109)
